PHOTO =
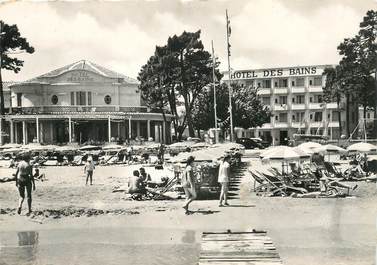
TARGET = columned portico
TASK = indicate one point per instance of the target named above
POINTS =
(37, 128)
(109, 129)
(24, 132)
(11, 129)
(69, 130)
(148, 129)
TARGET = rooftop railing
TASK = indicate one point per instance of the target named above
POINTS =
(63, 109)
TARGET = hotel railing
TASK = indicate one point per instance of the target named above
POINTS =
(60, 109)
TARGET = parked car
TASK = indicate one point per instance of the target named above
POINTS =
(250, 143)
(264, 143)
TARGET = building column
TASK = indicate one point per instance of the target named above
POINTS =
(118, 135)
(69, 130)
(1, 131)
(23, 132)
(109, 128)
(41, 132)
(129, 128)
(37, 128)
(138, 128)
(148, 129)
(16, 132)
(11, 131)
(163, 132)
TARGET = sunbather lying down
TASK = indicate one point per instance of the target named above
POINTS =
(8, 179)
(317, 194)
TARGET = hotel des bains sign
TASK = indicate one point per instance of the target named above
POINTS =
(278, 72)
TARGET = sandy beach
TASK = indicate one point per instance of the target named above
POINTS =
(92, 225)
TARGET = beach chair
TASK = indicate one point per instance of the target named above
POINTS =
(283, 184)
(333, 171)
(263, 185)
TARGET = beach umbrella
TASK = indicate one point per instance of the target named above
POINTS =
(90, 148)
(309, 145)
(112, 147)
(362, 148)
(8, 146)
(329, 149)
(284, 153)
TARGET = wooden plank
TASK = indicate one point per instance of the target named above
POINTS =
(240, 263)
(238, 248)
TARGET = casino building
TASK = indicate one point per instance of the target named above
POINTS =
(81, 102)
(295, 98)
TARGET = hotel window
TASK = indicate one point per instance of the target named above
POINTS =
(276, 117)
(300, 82)
(249, 83)
(318, 116)
(19, 99)
(266, 100)
(293, 83)
(107, 99)
(283, 117)
(293, 100)
(293, 117)
(281, 83)
(300, 116)
(266, 83)
(72, 98)
(54, 99)
(335, 116)
(276, 101)
(320, 99)
(311, 99)
(318, 81)
(89, 98)
(311, 116)
(310, 82)
(300, 99)
(80, 98)
(283, 99)
(368, 115)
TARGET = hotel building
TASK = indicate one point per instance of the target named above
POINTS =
(80, 102)
(295, 98)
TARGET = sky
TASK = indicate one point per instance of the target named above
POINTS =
(122, 35)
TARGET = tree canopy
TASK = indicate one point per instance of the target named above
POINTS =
(176, 74)
(11, 43)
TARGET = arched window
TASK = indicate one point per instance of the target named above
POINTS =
(54, 99)
(107, 99)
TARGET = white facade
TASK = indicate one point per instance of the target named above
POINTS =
(295, 97)
(81, 102)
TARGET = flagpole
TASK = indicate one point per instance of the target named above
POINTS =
(214, 84)
(229, 76)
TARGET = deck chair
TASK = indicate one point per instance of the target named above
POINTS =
(333, 170)
(281, 184)
(263, 185)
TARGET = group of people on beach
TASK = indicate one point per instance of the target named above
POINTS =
(188, 182)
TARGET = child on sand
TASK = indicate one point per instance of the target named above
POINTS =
(88, 170)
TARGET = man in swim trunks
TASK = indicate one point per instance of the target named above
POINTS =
(24, 181)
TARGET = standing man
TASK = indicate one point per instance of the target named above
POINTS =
(223, 179)
(88, 170)
(24, 180)
(188, 183)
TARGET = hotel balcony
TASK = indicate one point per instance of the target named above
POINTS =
(298, 124)
(313, 106)
(281, 125)
(299, 90)
(280, 107)
(70, 109)
(332, 105)
(281, 91)
(315, 89)
(298, 107)
(335, 124)
(264, 91)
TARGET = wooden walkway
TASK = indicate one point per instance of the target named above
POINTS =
(238, 248)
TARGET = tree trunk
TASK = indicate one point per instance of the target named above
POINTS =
(198, 133)
(347, 115)
(339, 116)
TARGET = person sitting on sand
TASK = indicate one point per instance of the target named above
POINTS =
(39, 176)
(136, 184)
(144, 176)
(88, 170)
(24, 180)
(188, 184)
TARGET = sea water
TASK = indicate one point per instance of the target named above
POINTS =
(99, 246)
